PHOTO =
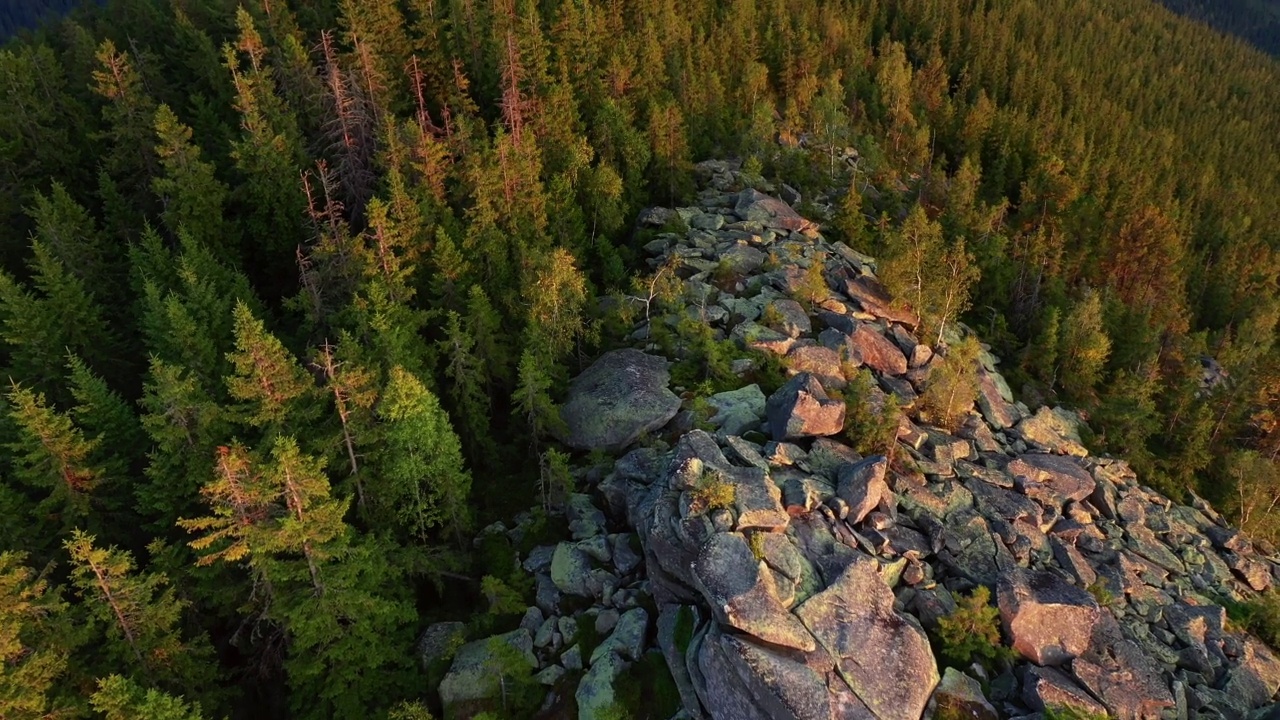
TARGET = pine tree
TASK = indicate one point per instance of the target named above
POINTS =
(140, 613)
(532, 399)
(273, 390)
(311, 524)
(35, 644)
(106, 420)
(422, 483)
(467, 392)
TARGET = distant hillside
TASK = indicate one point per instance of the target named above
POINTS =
(18, 15)
(1257, 21)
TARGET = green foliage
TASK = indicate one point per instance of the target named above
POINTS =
(931, 276)
(972, 632)
(1066, 712)
(33, 643)
(712, 492)
(1101, 593)
(1259, 615)
(871, 423)
(953, 384)
(119, 698)
(646, 691)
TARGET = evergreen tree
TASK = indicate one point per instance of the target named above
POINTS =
(922, 271)
(52, 455)
(272, 389)
(119, 698)
(192, 197)
(422, 485)
(1084, 347)
(35, 644)
(140, 614)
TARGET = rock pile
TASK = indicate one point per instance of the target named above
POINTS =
(783, 575)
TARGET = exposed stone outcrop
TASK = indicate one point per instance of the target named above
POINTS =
(618, 399)
(806, 592)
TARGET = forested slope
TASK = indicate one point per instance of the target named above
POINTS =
(290, 289)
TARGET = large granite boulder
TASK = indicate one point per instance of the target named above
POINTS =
(475, 675)
(883, 656)
(1049, 620)
(738, 411)
(622, 396)
(1046, 687)
(863, 487)
(801, 408)
(755, 206)
(960, 696)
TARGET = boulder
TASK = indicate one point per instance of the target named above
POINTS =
(821, 362)
(995, 407)
(1055, 430)
(1257, 678)
(789, 318)
(801, 408)
(754, 206)
(883, 656)
(622, 396)
(960, 696)
(863, 487)
(874, 299)
(476, 673)
(738, 411)
(1128, 681)
(876, 351)
(1051, 479)
(775, 685)
(438, 640)
(1049, 620)
(742, 259)
(595, 695)
(742, 593)
(1046, 687)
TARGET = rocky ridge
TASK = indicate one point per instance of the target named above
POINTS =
(812, 591)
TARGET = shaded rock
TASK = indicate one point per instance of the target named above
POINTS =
(1129, 684)
(585, 519)
(627, 638)
(758, 500)
(439, 640)
(801, 408)
(676, 627)
(622, 396)
(777, 686)
(741, 592)
(883, 656)
(1051, 479)
(742, 259)
(862, 485)
(752, 336)
(738, 411)
(475, 674)
(1049, 620)
(792, 320)
(826, 456)
(1054, 430)
(595, 695)
(1046, 687)
(960, 696)
(877, 352)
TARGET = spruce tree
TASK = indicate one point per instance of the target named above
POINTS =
(422, 485)
(119, 698)
(192, 197)
(272, 389)
(52, 455)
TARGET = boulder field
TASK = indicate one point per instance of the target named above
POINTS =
(814, 587)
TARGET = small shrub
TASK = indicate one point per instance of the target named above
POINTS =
(872, 421)
(503, 599)
(1259, 616)
(813, 285)
(711, 493)
(972, 632)
(771, 317)
(953, 384)
(755, 541)
(1100, 593)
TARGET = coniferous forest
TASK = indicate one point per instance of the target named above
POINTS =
(289, 289)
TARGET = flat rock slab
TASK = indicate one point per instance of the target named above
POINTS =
(738, 411)
(1046, 687)
(801, 408)
(742, 593)
(622, 396)
(1049, 620)
(883, 657)
(1051, 479)
(871, 295)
